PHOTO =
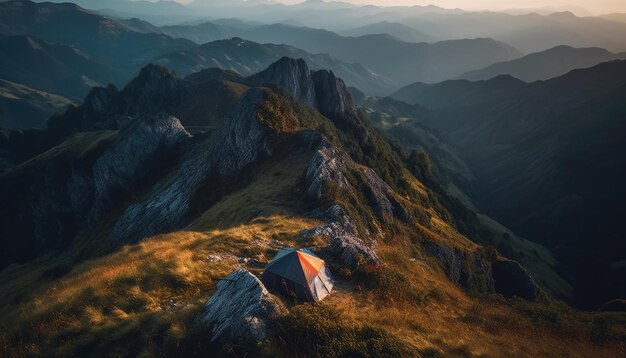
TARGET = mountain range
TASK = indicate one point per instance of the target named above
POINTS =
(25, 107)
(321, 179)
(85, 57)
(552, 148)
(400, 58)
(550, 63)
(397, 30)
(526, 31)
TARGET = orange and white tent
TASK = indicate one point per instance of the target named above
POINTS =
(298, 273)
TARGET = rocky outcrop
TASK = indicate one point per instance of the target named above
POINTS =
(328, 172)
(511, 279)
(381, 197)
(469, 270)
(333, 99)
(224, 154)
(319, 89)
(327, 167)
(145, 141)
(136, 156)
(475, 271)
(154, 90)
(292, 76)
(343, 236)
(57, 198)
(91, 115)
(241, 309)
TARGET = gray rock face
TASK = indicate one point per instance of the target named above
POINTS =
(319, 89)
(225, 153)
(291, 75)
(333, 99)
(378, 192)
(330, 167)
(466, 270)
(327, 166)
(154, 90)
(328, 170)
(134, 156)
(241, 309)
(124, 163)
(61, 201)
(511, 279)
(344, 237)
(477, 273)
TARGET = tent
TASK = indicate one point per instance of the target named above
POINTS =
(298, 273)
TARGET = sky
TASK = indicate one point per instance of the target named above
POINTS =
(595, 7)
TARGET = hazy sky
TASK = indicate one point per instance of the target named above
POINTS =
(594, 6)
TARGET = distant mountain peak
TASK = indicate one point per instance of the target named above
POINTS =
(153, 71)
(320, 89)
(563, 15)
(293, 75)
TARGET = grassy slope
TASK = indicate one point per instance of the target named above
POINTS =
(144, 298)
(154, 287)
(25, 107)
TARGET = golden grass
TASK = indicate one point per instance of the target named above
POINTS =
(161, 282)
(450, 323)
(273, 190)
(143, 300)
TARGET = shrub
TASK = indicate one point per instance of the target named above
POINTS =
(387, 284)
(319, 330)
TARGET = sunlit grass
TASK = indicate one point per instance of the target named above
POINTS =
(163, 279)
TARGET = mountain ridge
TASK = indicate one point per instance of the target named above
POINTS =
(548, 133)
(133, 199)
(548, 64)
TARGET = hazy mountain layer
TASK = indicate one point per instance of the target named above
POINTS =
(401, 61)
(53, 68)
(551, 63)
(525, 30)
(24, 107)
(246, 58)
(397, 30)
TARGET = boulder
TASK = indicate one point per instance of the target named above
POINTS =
(241, 309)
(511, 279)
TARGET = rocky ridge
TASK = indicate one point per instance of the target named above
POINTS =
(64, 198)
(224, 154)
(356, 202)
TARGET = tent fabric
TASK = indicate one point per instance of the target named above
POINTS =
(300, 273)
